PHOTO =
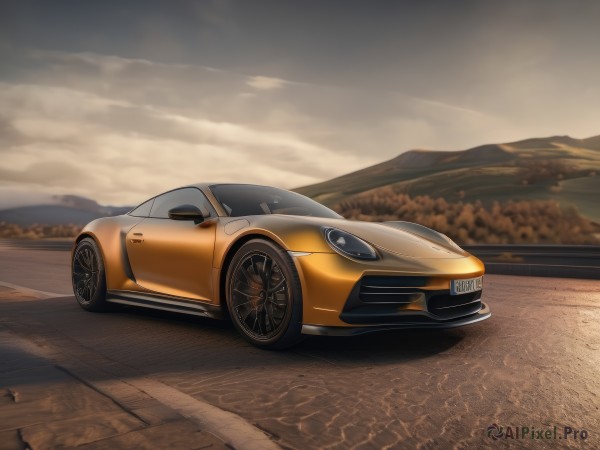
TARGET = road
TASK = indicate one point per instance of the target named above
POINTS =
(533, 364)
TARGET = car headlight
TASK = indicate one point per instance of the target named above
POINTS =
(349, 245)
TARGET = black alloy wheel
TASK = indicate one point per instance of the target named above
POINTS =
(264, 295)
(88, 276)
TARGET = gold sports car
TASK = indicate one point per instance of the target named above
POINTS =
(279, 264)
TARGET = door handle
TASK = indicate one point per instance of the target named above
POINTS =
(138, 239)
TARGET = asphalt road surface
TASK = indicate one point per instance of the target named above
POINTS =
(534, 364)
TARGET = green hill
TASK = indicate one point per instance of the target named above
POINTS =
(557, 168)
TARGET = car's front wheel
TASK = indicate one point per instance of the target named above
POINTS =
(264, 296)
(88, 277)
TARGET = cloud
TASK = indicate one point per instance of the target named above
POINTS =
(266, 83)
(88, 125)
(120, 129)
(20, 195)
(50, 173)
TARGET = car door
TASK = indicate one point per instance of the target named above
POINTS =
(174, 257)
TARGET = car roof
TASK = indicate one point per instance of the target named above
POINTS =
(208, 185)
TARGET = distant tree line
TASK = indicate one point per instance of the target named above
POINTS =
(13, 231)
(511, 222)
(545, 170)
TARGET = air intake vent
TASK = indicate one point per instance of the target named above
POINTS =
(401, 290)
(447, 306)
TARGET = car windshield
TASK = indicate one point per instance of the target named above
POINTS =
(248, 200)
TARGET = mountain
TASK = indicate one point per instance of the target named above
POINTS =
(60, 210)
(562, 168)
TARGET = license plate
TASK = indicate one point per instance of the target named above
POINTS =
(458, 287)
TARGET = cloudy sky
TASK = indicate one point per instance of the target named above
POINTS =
(119, 100)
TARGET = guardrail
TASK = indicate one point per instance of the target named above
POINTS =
(564, 261)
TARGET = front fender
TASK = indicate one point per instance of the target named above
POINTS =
(109, 234)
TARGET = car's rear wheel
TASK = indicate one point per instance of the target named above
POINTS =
(264, 296)
(88, 276)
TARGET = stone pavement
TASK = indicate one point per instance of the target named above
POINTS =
(534, 363)
(48, 401)
(45, 406)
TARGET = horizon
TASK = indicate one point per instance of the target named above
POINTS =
(282, 94)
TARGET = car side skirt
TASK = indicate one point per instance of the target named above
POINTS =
(164, 303)
(319, 330)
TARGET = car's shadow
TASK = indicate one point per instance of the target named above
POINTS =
(160, 341)
(383, 346)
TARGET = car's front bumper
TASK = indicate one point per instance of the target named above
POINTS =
(320, 330)
(330, 282)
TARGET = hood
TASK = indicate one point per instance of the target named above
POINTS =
(382, 237)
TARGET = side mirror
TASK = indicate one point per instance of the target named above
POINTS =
(188, 212)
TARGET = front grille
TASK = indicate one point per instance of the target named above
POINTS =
(447, 306)
(391, 289)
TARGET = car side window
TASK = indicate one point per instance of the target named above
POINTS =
(143, 210)
(186, 196)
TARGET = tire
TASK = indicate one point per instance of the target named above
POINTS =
(88, 276)
(264, 295)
